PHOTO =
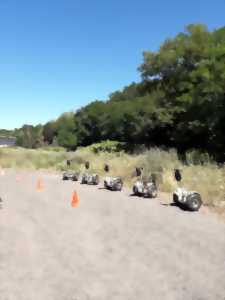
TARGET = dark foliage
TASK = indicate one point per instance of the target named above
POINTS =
(180, 102)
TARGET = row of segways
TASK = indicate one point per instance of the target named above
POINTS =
(143, 187)
(111, 183)
(85, 178)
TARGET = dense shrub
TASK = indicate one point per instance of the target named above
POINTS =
(107, 146)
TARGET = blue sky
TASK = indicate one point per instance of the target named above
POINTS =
(58, 55)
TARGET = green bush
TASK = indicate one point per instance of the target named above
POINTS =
(107, 146)
(197, 157)
(54, 148)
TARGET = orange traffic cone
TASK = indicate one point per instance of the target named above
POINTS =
(40, 185)
(18, 178)
(75, 199)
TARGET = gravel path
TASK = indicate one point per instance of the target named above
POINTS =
(112, 246)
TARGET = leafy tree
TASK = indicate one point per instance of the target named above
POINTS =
(189, 69)
(30, 136)
(65, 129)
(180, 102)
(89, 123)
(49, 132)
(66, 139)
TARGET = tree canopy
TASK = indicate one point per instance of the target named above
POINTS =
(179, 102)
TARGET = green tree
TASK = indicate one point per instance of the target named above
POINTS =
(180, 102)
(66, 139)
(30, 136)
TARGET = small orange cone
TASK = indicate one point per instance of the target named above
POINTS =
(18, 178)
(40, 185)
(75, 199)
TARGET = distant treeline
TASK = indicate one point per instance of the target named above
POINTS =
(4, 133)
(180, 102)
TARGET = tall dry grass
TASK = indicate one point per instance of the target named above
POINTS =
(208, 179)
(30, 159)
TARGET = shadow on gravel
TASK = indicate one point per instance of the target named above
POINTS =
(103, 188)
(137, 196)
(141, 197)
(180, 206)
(169, 204)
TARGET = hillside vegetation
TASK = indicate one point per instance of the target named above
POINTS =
(179, 102)
(4, 133)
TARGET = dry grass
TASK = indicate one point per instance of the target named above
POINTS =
(30, 159)
(207, 179)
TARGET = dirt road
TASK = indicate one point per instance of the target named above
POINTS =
(111, 247)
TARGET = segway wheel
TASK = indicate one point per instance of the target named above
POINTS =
(194, 202)
(135, 190)
(154, 194)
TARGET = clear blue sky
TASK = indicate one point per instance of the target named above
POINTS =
(58, 55)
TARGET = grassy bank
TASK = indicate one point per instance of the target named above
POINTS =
(208, 179)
